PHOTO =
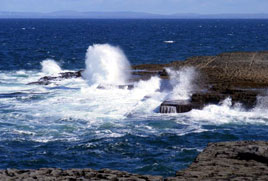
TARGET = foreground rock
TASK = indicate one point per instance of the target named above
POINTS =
(245, 160)
(53, 174)
(242, 160)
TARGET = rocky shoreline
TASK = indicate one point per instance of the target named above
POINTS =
(240, 160)
(242, 76)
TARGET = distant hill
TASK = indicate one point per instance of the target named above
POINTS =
(125, 15)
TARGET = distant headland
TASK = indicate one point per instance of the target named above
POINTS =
(124, 15)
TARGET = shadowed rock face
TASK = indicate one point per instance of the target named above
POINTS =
(248, 98)
(179, 106)
(242, 160)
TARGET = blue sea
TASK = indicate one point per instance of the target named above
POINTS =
(73, 124)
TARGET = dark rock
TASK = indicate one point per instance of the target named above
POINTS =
(179, 106)
(248, 99)
(73, 174)
(163, 73)
(64, 75)
(242, 160)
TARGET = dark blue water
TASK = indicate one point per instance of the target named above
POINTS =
(24, 43)
(72, 125)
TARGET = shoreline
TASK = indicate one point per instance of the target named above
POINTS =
(234, 160)
(242, 76)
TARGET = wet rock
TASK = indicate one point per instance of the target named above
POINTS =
(247, 98)
(162, 73)
(179, 106)
(64, 75)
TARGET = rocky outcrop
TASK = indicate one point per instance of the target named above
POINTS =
(248, 99)
(64, 75)
(237, 69)
(241, 160)
(236, 75)
(231, 75)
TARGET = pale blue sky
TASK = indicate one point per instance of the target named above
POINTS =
(150, 6)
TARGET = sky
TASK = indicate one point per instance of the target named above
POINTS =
(149, 6)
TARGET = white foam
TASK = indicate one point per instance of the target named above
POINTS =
(169, 41)
(225, 113)
(72, 107)
(182, 83)
(50, 66)
(106, 64)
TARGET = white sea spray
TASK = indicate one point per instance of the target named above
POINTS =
(106, 64)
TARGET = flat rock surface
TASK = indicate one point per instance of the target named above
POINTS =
(239, 69)
(242, 160)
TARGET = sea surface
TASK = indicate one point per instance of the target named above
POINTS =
(74, 124)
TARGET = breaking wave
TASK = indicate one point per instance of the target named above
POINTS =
(106, 64)
(50, 66)
(111, 111)
(182, 83)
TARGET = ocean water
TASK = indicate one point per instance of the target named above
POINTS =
(74, 124)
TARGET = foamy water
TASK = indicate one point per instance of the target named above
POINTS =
(76, 114)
